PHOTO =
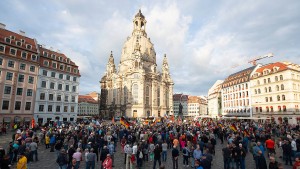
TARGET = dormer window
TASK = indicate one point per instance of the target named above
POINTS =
(7, 40)
(22, 40)
(18, 43)
(28, 46)
(45, 54)
(53, 56)
(12, 37)
(275, 69)
(68, 68)
(75, 70)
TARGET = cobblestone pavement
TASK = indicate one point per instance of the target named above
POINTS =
(47, 159)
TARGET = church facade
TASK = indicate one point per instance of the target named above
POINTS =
(136, 88)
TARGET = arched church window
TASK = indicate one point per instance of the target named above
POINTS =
(125, 94)
(135, 93)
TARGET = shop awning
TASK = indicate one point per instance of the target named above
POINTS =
(27, 119)
(6, 119)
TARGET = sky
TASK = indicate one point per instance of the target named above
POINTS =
(204, 40)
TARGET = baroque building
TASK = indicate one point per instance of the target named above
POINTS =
(236, 94)
(276, 92)
(136, 88)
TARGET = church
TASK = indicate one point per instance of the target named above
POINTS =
(135, 88)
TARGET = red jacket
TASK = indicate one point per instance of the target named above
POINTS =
(107, 163)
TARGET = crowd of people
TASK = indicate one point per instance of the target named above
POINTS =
(150, 144)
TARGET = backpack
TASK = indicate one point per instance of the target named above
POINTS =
(140, 154)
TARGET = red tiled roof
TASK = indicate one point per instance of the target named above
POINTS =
(86, 99)
(271, 66)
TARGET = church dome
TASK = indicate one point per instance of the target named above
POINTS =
(138, 44)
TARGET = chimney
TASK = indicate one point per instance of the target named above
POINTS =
(2, 26)
(22, 33)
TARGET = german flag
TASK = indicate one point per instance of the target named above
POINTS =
(233, 127)
(246, 133)
(124, 122)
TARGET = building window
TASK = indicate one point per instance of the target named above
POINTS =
(66, 98)
(256, 109)
(61, 67)
(45, 72)
(22, 66)
(5, 105)
(29, 92)
(49, 108)
(24, 55)
(58, 98)
(271, 99)
(67, 87)
(19, 91)
(42, 96)
(265, 81)
(278, 98)
(68, 77)
(284, 108)
(51, 97)
(158, 96)
(269, 80)
(32, 68)
(65, 108)
(282, 87)
(30, 79)
(260, 109)
(2, 49)
(68, 69)
(258, 82)
(266, 89)
(18, 105)
(74, 79)
(283, 97)
(276, 78)
(33, 57)
(28, 106)
(266, 99)
(74, 89)
(57, 108)
(272, 110)
(281, 77)
(7, 90)
(267, 109)
(13, 51)
(41, 107)
(135, 93)
(7, 40)
(11, 64)
(61, 76)
(45, 54)
(59, 87)
(255, 91)
(43, 84)
(72, 108)
(52, 85)
(52, 74)
(28, 46)
(73, 99)
(54, 65)
(21, 78)
(270, 89)
(277, 87)
(46, 63)
(258, 91)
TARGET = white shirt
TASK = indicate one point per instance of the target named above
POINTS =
(134, 149)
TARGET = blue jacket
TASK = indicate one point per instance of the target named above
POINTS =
(52, 140)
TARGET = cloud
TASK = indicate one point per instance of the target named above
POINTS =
(202, 39)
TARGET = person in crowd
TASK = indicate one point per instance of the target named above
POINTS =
(62, 159)
(107, 163)
(157, 156)
(91, 159)
(33, 147)
(78, 157)
(273, 164)
(22, 162)
(175, 155)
